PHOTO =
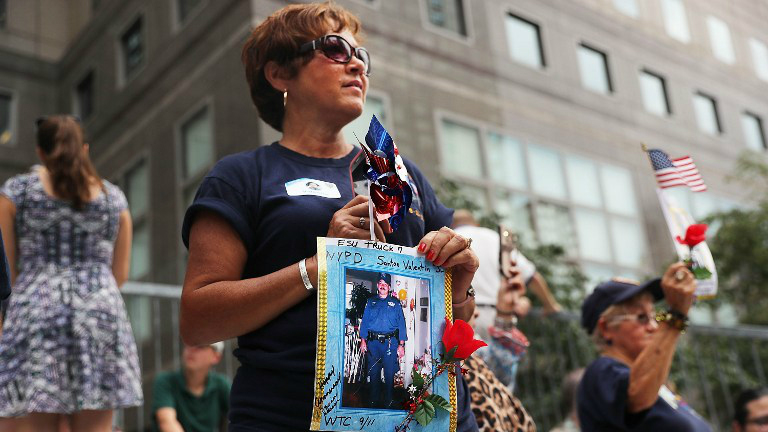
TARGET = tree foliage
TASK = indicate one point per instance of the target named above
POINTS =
(740, 246)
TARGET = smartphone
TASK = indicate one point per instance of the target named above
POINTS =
(507, 250)
(357, 170)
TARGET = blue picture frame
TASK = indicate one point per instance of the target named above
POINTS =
(345, 399)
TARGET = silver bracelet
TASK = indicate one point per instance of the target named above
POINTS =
(305, 275)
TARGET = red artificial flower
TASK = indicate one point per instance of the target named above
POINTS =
(694, 235)
(461, 336)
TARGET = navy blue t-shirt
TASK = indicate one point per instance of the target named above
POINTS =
(273, 388)
(602, 403)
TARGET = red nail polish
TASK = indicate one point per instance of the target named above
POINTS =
(430, 255)
(422, 247)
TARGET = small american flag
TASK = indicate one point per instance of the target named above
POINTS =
(676, 172)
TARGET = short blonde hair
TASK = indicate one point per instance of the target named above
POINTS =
(615, 310)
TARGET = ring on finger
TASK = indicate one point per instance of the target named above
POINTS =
(362, 222)
(679, 275)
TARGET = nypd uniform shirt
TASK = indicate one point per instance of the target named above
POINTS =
(383, 315)
(602, 403)
(279, 202)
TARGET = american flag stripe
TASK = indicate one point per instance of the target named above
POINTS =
(676, 172)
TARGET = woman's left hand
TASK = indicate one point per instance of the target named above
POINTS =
(446, 248)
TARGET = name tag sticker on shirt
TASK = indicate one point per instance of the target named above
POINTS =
(306, 186)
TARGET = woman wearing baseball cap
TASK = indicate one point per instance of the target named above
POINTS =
(624, 388)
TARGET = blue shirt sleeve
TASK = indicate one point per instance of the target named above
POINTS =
(224, 199)
(436, 215)
(602, 394)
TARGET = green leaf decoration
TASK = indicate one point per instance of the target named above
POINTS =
(701, 273)
(449, 355)
(425, 413)
(439, 402)
(418, 380)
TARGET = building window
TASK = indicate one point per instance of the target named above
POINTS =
(84, 97)
(706, 114)
(546, 172)
(675, 20)
(6, 118)
(593, 65)
(447, 14)
(185, 7)
(627, 7)
(461, 149)
(754, 134)
(3, 13)
(373, 106)
(136, 185)
(549, 197)
(198, 152)
(197, 144)
(720, 39)
(654, 90)
(524, 41)
(132, 44)
(759, 58)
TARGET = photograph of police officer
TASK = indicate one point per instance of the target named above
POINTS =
(387, 334)
(382, 341)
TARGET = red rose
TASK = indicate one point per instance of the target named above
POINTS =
(694, 235)
(461, 336)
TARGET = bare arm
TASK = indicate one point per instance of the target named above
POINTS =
(214, 293)
(167, 421)
(651, 368)
(541, 289)
(7, 216)
(121, 259)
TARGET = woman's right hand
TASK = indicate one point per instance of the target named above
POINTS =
(346, 223)
(679, 286)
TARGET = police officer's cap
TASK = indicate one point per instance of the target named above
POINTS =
(386, 277)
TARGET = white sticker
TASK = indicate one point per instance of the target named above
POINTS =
(305, 186)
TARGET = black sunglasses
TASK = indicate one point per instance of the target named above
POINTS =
(339, 50)
(42, 119)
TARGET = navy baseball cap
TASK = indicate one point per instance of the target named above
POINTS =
(613, 292)
(386, 277)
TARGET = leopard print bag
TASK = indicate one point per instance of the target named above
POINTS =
(495, 408)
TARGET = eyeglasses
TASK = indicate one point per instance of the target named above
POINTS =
(40, 120)
(339, 50)
(760, 421)
(642, 318)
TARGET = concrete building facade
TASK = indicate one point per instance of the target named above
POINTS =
(538, 108)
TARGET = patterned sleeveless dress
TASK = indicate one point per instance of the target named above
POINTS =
(67, 344)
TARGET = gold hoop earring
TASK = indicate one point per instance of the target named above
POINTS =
(285, 97)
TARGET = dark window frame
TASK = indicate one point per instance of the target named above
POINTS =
(127, 51)
(539, 39)
(606, 65)
(85, 94)
(760, 128)
(715, 110)
(664, 89)
(437, 7)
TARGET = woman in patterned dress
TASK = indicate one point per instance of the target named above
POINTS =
(67, 348)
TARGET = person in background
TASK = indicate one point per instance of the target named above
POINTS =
(382, 339)
(193, 398)
(568, 403)
(5, 282)
(624, 389)
(751, 411)
(67, 350)
(487, 281)
(252, 228)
